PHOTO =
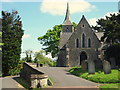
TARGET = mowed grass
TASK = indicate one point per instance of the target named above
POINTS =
(108, 81)
(98, 77)
(113, 86)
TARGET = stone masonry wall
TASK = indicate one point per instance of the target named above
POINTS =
(33, 76)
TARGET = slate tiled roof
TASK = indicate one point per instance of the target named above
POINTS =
(64, 38)
(99, 35)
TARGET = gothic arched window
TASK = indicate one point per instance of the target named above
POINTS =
(77, 43)
(83, 40)
(89, 43)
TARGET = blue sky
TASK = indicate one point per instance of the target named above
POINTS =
(38, 17)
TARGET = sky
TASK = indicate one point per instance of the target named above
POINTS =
(39, 16)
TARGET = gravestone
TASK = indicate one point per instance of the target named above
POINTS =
(106, 67)
(113, 63)
(91, 67)
(98, 64)
(84, 65)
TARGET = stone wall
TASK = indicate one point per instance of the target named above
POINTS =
(75, 45)
(62, 60)
(33, 76)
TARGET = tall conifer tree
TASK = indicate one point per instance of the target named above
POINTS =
(12, 33)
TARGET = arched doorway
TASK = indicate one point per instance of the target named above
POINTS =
(83, 56)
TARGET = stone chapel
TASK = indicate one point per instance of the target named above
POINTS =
(77, 44)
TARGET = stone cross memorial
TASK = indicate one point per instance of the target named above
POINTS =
(106, 67)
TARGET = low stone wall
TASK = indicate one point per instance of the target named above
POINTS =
(33, 76)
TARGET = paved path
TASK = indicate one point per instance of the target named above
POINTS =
(9, 82)
(62, 78)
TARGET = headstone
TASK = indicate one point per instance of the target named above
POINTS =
(84, 65)
(91, 67)
(98, 64)
(113, 63)
(106, 67)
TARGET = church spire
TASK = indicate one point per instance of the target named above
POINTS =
(67, 20)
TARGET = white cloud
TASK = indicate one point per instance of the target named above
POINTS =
(6, 0)
(49, 55)
(108, 14)
(25, 36)
(59, 7)
(57, 0)
(93, 22)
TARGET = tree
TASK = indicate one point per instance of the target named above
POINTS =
(41, 58)
(113, 51)
(51, 40)
(111, 28)
(0, 35)
(12, 33)
(0, 47)
(28, 57)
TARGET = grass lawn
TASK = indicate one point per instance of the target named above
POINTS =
(98, 77)
(114, 86)
(50, 81)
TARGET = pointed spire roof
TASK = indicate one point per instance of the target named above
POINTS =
(83, 20)
(67, 20)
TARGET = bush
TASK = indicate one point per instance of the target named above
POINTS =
(14, 71)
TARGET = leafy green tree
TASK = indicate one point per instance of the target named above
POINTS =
(0, 42)
(0, 47)
(111, 28)
(28, 57)
(113, 51)
(51, 40)
(41, 58)
(12, 33)
(0, 35)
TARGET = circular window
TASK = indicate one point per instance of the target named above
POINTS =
(83, 26)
